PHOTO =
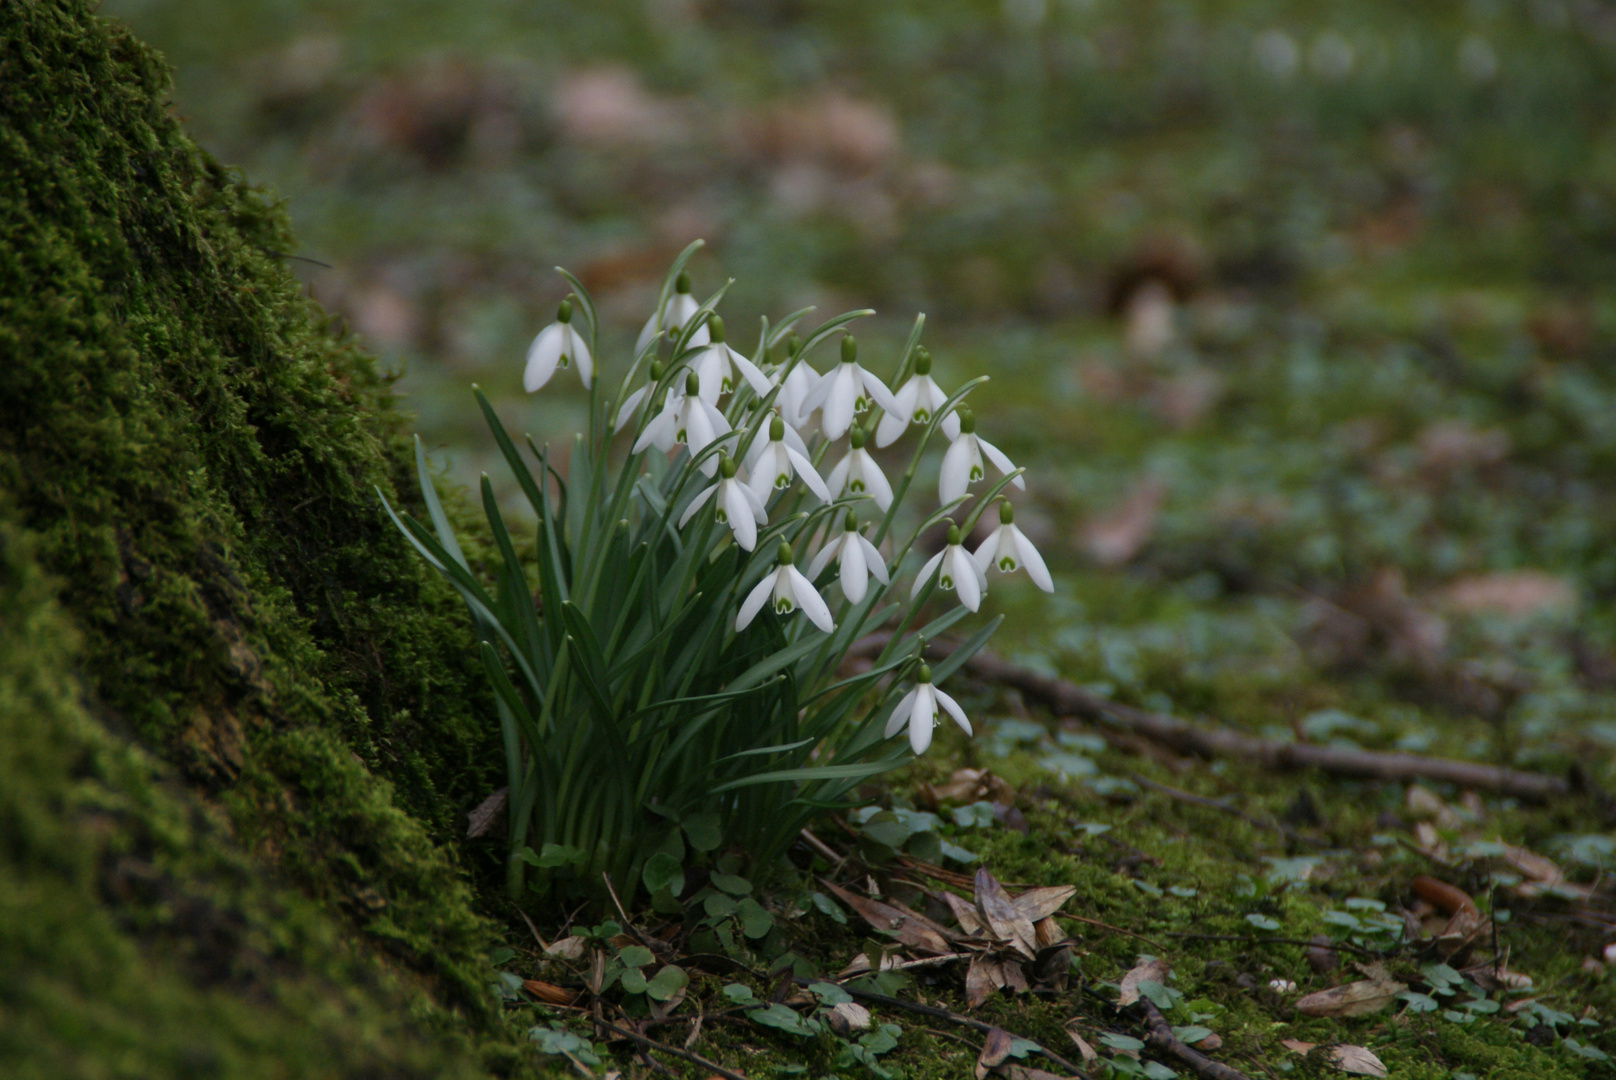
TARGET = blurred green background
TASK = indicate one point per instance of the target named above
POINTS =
(1300, 315)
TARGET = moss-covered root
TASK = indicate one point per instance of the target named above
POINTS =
(191, 457)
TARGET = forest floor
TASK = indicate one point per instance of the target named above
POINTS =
(1301, 323)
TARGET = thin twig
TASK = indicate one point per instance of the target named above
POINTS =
(1114, 929)
(1219, 805)
(684, 1055)
(1161, 1038)
(543, 946)
(823, 848)
(1334, 946)
(938, 1013)
(657, 948)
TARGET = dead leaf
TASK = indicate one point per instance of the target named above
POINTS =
(1297, 1045)
(1355, 998)
(968, 919)
(1208, 1043)
(1049, 933)
(1084, 1049)
(994, 1051)
(1356, 1060)
(1042, 902)
(981, 979)
(567, 948)
(1154, 970)
(968, 786)
(910, 927)
(549, 993)
(856, 1015)
(1114, 540)
(480, 820)
(1007, 923)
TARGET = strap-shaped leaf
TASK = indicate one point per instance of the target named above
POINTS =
(860, 771)
(969, 648)
(429, 493)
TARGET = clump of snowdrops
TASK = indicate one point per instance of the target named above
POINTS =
(667, 655)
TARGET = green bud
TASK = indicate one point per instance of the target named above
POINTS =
(726, 466)
(851, 524)
(692, 384)
(777, 428)
(681, 284)
(656, 370)
(953, 534)
(967, 420)
(793, 344)
(564, 311)
(715, 329)
(783, 558)
(922, 361)
(849, 349)
(857, 436)
(924, 674)
(1006, 515)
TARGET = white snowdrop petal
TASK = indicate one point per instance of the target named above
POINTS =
(837, 480)
(630, 403)
(755, 600)
(875, 482)
(760, 513)
(805, 469)
(987, 552)
(955, 475)
(1034, 563)
(925, 574)
(1000, 462)
(900, 715)
(950, 425)
(754, 377)
(808, 598)
(649, 332)
(542, 356)
(739, 511)
(876, 389)
(952, 708)
(580, 355)
(838, 405)
(822, 560)
(816, 394)
(960, 567)
(658, 433)
(921, 720)
(696, 504)
(854, 574)
(873, 559)
(896, 421)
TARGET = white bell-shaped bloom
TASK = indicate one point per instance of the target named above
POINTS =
(717, 364)
(771, 466)
(916, 400)
(858, 474)
(790, 591)
(688, 420)
(1007, 549)
(954, 569)
(846, 391)
(673, 316)
(557, 345)
(634, 400)
(962, 463)
(736, 506)
(798, 384)
(918, 709)
(856, 559)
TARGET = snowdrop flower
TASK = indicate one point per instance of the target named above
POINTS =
(632, 402)
(688, 420)
(857, 559)
(845, 391)
(772, 466)
(799, 383)
(673, 316)
(918, 709)
(736, 506)
(962, 464)
(916, 401)
(557, 345)
(954, 569)
(717, 363)
(858, 474)
(790, 590)
(1009, 550)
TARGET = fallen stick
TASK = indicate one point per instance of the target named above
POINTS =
(1159, 1036)
(1065, 698)
(653, 1044)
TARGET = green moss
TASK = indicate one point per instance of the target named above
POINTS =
(278, 710)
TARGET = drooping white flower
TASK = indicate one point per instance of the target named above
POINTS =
(673, 316)
(858, 474)
(632, 402)
(790, 591)
(856, 559)
(717, 363)
(954, 569)
(845, 391)
(772, 464)
(736, 506)
(916, 400)
(685, 419)
(557, 345)
(962, 463)
(918, 709)
(798, 384)
(1009, 550)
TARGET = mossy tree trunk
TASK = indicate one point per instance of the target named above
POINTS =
(238, 721)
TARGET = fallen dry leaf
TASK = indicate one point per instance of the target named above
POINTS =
(964, 912)
(1084, 1050)
(910, 927)
(1002, 916)
(856, 1015)
(968, 786)
(994, 1051)
(1044, 901)
(1114, 540)
(1154, 970)
(549, 993)
(1355, 998)
(1297, 1045)
(567, 948)
(1357, 1060)
(480, 820)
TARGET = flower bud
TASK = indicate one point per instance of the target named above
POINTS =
(967, 420)
(777, 428)
(715, 329)
(851, 524)
(924, 674)
(793, 344)
(922, 361)
(726, 466)
(681, 284)
(953, 535)
(564, 311)
(656, 370)
(849, 350)
(692, 384)
(857, 435)
(783, 557)
(1006, 515)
